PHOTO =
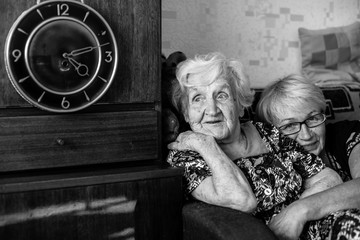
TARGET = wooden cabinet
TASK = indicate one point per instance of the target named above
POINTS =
(40, 142)
(97, 173)
(124, 125)
(133, 203)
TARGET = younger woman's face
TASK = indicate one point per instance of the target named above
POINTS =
(312, 139)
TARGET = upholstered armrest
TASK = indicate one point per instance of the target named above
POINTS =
(205, 221)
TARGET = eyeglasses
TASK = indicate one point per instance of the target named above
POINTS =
(310, 122)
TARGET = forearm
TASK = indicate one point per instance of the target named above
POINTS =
(228, 185)
(325, 179)
(343, 196)
(291, 220)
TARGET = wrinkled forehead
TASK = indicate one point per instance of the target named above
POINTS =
(216, 85)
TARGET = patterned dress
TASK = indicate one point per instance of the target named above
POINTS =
(276, 178)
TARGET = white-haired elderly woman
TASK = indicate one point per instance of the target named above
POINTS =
(250, 166)
(296, 106)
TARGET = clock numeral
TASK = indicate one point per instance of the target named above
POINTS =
(108, 58)
(62, 9)
(16, 54)
(65, 104)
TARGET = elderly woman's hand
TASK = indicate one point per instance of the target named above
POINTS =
(190, 140)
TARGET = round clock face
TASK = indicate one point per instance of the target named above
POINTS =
(61, 56)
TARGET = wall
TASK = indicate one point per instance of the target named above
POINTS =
(263, 33)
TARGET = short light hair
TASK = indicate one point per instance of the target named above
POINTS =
(289, 92)
(209, 68)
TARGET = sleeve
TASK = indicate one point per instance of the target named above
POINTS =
(354, 138)
(341, 138)
(305, 163)
(195, 168)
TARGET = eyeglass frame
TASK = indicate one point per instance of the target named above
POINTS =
(301, 123)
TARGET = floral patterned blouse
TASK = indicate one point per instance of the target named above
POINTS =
(276, 177)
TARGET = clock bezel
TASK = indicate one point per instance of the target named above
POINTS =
(110, 69)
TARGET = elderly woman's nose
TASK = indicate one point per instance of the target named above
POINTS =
(305, 132)
(211, 106)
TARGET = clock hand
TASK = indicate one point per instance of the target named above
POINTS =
(82, 50)
(81, 69)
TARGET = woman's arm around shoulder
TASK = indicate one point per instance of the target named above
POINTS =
(227, 185)
(317, 177)
(291, 220)
(321, 181)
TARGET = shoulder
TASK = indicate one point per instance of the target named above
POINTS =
(272, 136)
(265, 128)
(342, 132)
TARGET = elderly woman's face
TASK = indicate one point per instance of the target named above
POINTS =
(212, 109)
(312, 139)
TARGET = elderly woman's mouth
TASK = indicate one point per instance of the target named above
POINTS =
(213, 122)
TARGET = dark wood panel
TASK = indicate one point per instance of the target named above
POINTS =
(9, 11)
(35, 142)
(145, 209)
(136, 25)
(63, 178)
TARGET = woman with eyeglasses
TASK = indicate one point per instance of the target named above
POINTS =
(296, 107)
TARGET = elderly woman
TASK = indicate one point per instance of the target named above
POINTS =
(251, 167)
(297, 106)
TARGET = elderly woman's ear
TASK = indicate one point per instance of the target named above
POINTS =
(240, 107)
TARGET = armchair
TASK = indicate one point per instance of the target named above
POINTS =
(204, 221)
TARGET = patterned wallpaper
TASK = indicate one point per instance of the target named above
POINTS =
(262, 33)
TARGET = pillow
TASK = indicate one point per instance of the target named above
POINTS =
(336, 48)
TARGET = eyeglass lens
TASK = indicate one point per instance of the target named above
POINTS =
(310, 122)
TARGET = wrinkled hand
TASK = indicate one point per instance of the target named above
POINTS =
(289, 223)
(190, 140)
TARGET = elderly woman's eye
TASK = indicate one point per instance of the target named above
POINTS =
(223, 96)
(197, 98)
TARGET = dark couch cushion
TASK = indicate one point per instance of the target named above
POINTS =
(205, 221)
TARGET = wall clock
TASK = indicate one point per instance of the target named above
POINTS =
(61, 56)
